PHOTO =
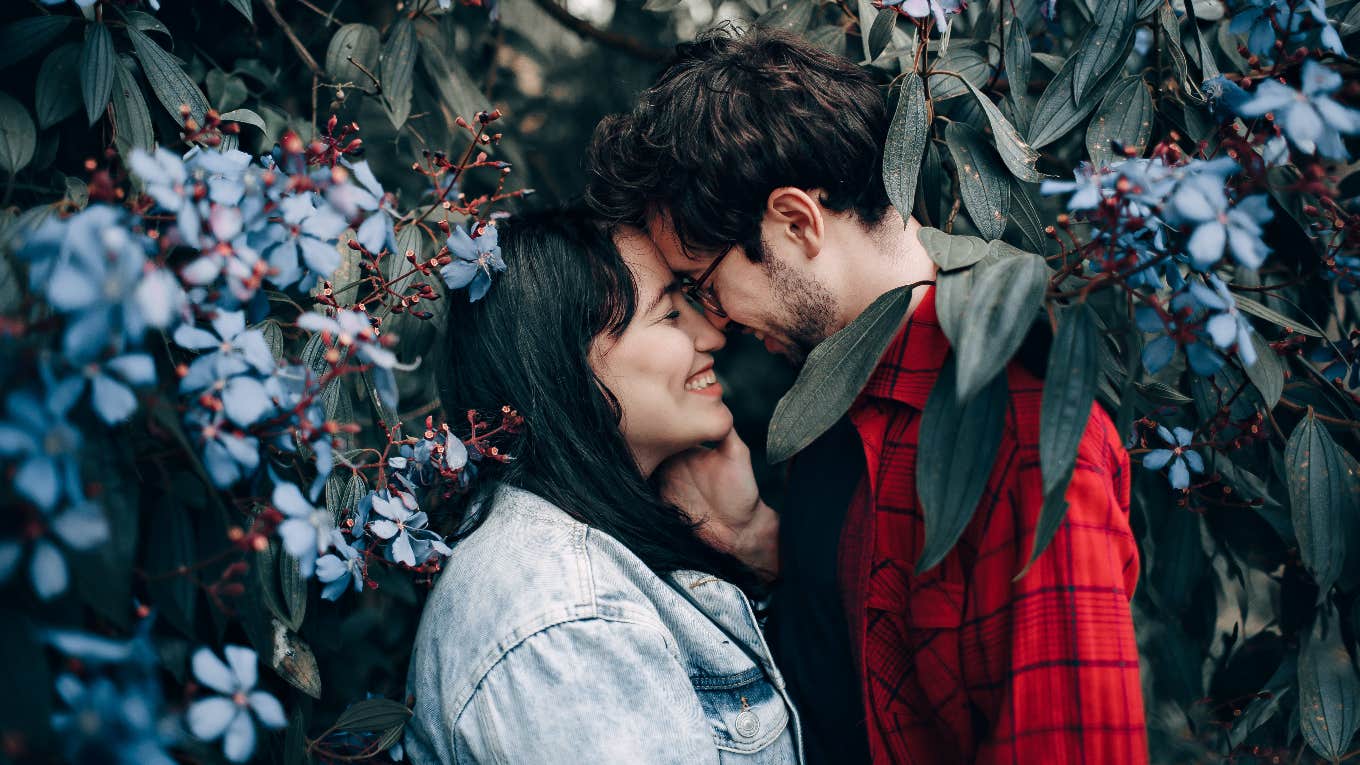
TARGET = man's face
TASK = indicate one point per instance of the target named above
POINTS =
(775, 299)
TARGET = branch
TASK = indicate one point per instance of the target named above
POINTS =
(293, 38)
(608, 39)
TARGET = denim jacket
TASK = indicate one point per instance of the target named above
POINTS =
(547, 641)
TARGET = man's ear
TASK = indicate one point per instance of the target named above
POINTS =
(794, 217)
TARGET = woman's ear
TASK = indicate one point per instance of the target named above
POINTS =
(793, 218)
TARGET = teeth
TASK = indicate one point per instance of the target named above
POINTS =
(702, 381)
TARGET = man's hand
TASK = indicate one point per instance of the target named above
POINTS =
(717, 488)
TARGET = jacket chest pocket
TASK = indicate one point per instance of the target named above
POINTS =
(749, 720)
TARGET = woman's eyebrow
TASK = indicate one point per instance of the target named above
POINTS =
(658, 297)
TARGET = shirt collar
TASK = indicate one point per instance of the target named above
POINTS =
(909, 367)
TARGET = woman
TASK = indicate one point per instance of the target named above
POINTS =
(582, 618)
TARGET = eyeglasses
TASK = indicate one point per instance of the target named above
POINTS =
(704, 296)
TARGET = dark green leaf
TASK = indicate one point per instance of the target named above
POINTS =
(830, 38)
(243, 7)
(295, 740)
(1125, 115)
(966, 62)
(951, 480)
(457, 90)
(1171, 42)
(173, 88)
(833, 375)
(1026, 218)
(1002, 305)
(906, 142)
(1264, 706)
(1018, 155)
(169, 553)
(362, 44)
(293, 586)
(25, 698)
(25, 37)
(1051, 62)
(245, 117)
(18, 137)
(880, 34)
(952, 251)
(1322, 488)
(1018, 58)
(225, 91)
(372, 716)
(145, 22)
(293, 660)
(1260, 311)
(267, 573)
(1329, 689)
(1103, 46)
(1057, 112)
(661, 6)
(97, 70)
(58, 89)
(131, 117)
(1267, 374)
(793, 15)
(933, 189)
(983, 183)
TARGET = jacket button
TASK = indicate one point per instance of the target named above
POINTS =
(747, 725)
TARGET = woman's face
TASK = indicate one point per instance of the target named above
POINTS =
(660, 368)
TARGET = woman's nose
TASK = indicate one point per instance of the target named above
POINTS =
(701, 327)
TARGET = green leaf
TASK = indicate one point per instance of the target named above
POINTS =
(1259, 310)
(267, 574)
(293, 586)
(1125, 115)
(1329, 689)
(243, 7)
(169, 553)
(906, 143)
(1171, 42)
(295, 740)
(1322, 489)
(145, 22)
(97, 70)
(18, 137)
(359, 42)
(661, 6)
(398, 70)
(1018, 59)
(952, 251)
(1026, 218)
(880, 34)
(833, 375)
(984, 186)
(830, 38)
(457, 90)
(57, 94)
(1002, 305)
(1057, 112)
(372, 716)
(245, 117)
(25, 37)
(293, 660)
(131, 117)
(1267, 374)
(225, 91)
(1101, 49)
(173, 88)
(950, 480)
(792, 15)
(1018, 155)
(966, 62)
(1050, 62)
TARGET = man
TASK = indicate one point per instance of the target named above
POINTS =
(754, 163)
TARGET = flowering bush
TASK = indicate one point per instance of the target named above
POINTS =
(224, 455)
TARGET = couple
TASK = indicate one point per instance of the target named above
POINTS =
(600, 605)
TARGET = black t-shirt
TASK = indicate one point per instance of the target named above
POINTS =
(807, 629)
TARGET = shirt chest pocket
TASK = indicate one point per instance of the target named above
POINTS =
(747, 716)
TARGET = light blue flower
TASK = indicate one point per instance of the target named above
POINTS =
(107, 724)
(1310, 118)
(111, 384)
(1226, 326)
(80, 527)
(227, 370)
(1201, 202)
(352, 330)
(919, 9)
(167, 181)
(46, 446)
(228, 454)
(306, 530)
(376, 232)
(475, 260)
(1256, 21)
(403, 525)
(1182, 458)
(306, 234)
(232, 715)
(339, 572)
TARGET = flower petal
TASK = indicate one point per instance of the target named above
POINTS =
(82, 527)
(268, 710)
(114, 401)
(239, 742)
(48, 570)
(208, 718)
(244, 665)
(37, 479)
(212, 672)
(1156, 459)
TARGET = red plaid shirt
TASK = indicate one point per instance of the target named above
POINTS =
(961, 664)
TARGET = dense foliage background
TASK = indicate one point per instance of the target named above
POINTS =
(212, 361)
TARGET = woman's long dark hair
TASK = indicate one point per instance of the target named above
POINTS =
(526, 345)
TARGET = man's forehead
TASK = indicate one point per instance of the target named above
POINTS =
(661, 230)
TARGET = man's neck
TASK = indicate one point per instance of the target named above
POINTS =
(891, 256)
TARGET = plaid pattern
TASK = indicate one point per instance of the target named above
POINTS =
(961, 664)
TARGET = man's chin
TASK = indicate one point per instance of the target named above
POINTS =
(791, 352)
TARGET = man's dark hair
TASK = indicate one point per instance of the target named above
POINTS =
(731, 118)
(526, 345)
